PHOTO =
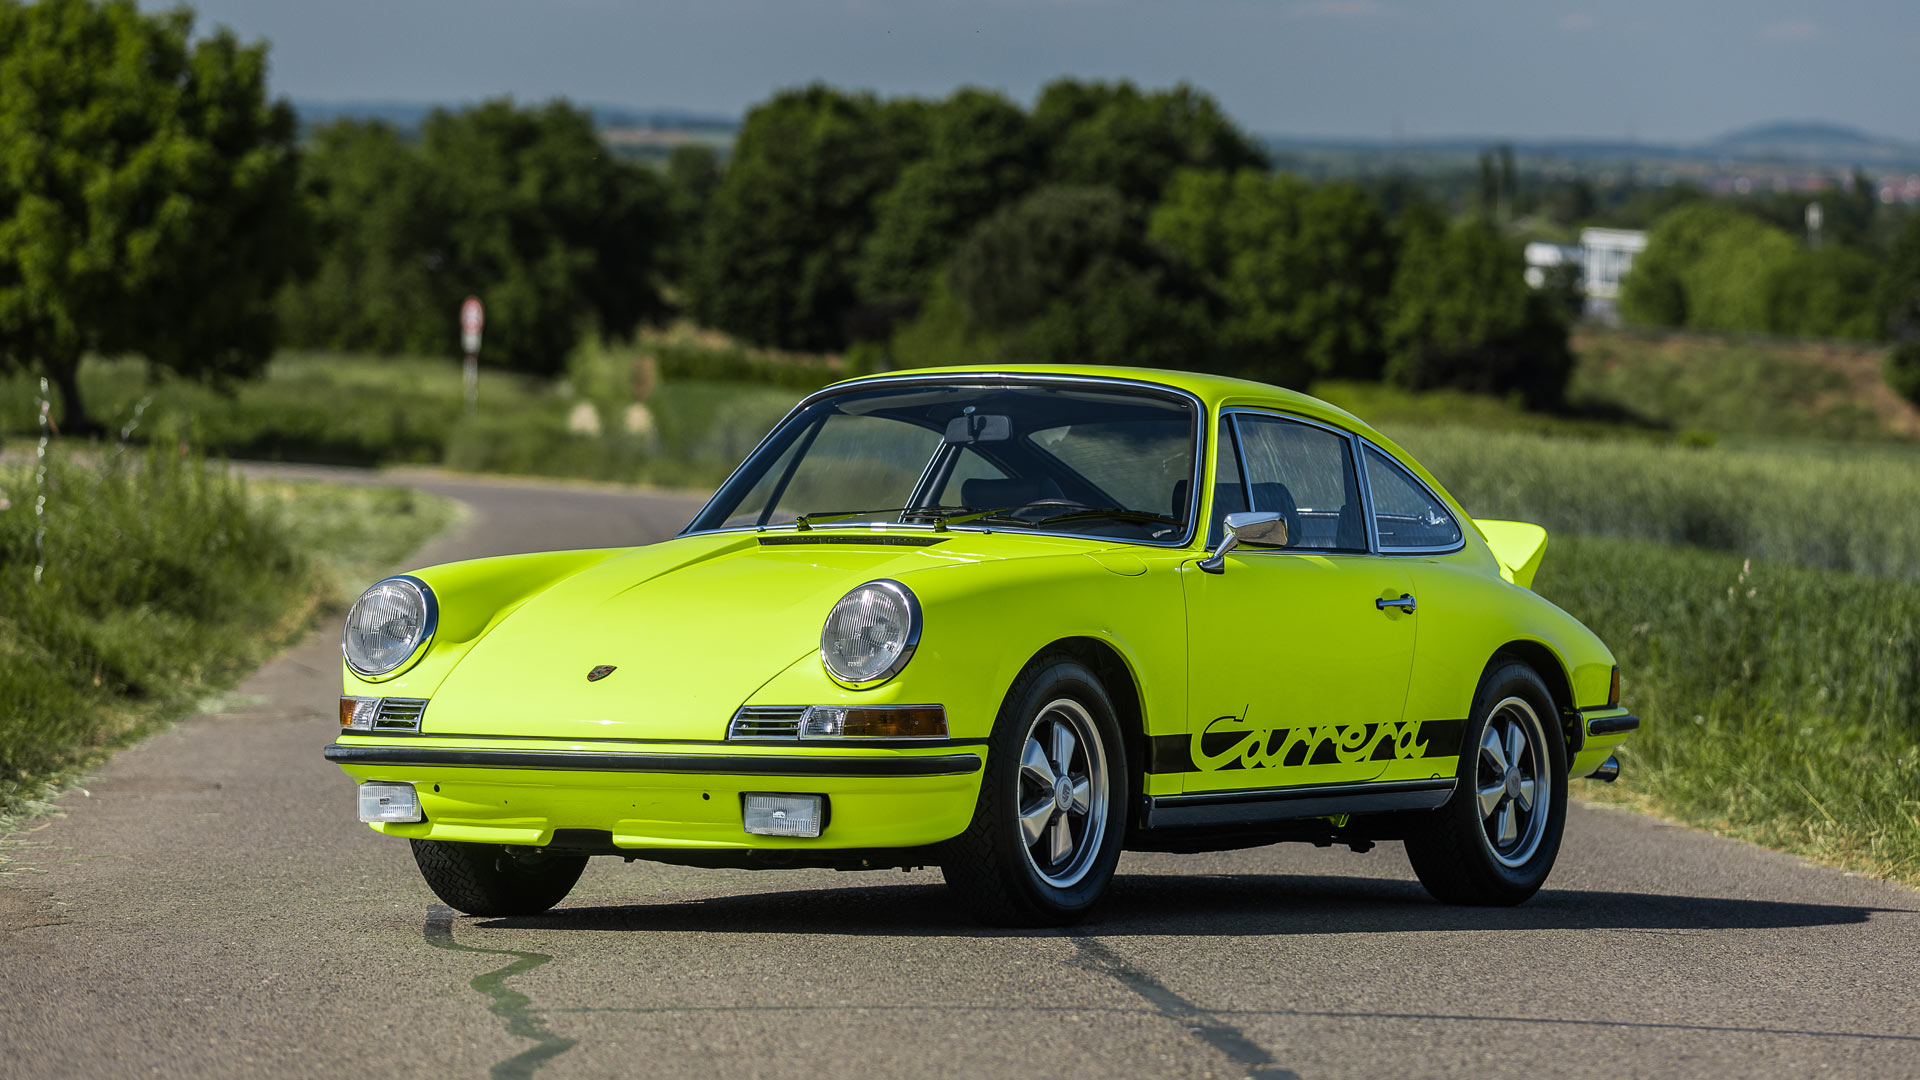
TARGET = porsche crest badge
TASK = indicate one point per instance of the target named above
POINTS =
(600, 672)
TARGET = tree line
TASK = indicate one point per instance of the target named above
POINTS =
(153, 200)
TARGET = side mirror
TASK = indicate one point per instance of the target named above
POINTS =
(1256, 528)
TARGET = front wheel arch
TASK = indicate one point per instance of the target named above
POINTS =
(1123, 690)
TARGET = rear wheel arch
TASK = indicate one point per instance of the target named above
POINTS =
(1547, 664)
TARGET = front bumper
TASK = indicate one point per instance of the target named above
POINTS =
(674, 796)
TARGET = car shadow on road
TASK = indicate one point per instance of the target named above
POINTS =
(1239, 905)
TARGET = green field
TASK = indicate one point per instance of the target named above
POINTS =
(164, 581)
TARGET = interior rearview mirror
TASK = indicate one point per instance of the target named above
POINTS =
(1253, 528)
(978, 427)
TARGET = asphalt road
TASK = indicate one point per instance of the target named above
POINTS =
(210, 908)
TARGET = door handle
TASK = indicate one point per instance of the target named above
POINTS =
(1405, 603)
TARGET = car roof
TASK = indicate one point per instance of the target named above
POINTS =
(1214, 391)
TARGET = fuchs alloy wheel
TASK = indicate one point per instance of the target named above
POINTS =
(484, 879)
(1046, 832)
(1496, 839)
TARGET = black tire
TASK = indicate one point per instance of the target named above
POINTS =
(1455, 851)
(482, 879)
(990, 868)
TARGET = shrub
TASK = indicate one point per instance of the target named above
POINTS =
(1903, 370)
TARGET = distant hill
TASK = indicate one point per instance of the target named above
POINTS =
(1811, 141)
(408, 115)
(1783, 142)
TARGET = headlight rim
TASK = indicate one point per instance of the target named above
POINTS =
(429, 625)
(907, 648)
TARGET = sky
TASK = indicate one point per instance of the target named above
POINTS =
(1652, 70)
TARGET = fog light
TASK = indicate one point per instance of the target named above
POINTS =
(784, 815)
(389, 802)
(356, 713)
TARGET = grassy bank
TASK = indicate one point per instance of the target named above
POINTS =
(697, 419)
(164, 579)
(1782, 703)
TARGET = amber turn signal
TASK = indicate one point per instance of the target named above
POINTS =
(1613, 692)
(874, 722)
(356, 713)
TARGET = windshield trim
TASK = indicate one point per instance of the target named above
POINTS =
(986, 377)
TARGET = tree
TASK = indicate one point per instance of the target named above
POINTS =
(551, 231)
(522, 207)
(982, 153)
(693, 175)
(1065, 276)
(147, 194)
(787, 224)
(1898, 295)
(1304, 269)
(381, 237)
(1463, 317)
(1114, 135)
(1707, 266)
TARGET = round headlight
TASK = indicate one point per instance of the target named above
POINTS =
(387, 624)
(871, 633)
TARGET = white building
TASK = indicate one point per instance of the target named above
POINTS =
(1603, 257)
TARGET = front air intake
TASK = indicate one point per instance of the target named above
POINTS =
(766, 722)
(399, 714)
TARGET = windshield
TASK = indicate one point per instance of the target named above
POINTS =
(1037, 456)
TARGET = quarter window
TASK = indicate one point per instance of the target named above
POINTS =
(1404, 512)
(1307, 474)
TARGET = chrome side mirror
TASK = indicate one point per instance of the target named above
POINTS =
(1255, 528)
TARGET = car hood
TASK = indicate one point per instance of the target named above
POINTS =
(691, 628)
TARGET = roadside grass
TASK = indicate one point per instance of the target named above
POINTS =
(165, 580)
(1781, 704)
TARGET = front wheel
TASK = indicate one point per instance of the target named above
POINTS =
(484, 879)
(1497, 838)
(1046, 832)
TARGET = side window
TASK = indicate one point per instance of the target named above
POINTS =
(1307, 474)
(1406, 515)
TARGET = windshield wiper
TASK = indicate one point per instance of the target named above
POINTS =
(940, 515)
(1005, 513)
(1116, 514)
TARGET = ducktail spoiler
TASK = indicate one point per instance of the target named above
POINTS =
(1518, 545)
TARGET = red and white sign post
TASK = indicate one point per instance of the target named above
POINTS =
(472, 318)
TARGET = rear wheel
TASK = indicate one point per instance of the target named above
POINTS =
(1046, 832)
(1496, 840)
(483, 879)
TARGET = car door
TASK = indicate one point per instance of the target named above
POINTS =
(1297, 674)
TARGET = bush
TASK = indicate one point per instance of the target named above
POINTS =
(1903, 370)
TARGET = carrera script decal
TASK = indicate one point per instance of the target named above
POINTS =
(1240, 742)
(1235, 742)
